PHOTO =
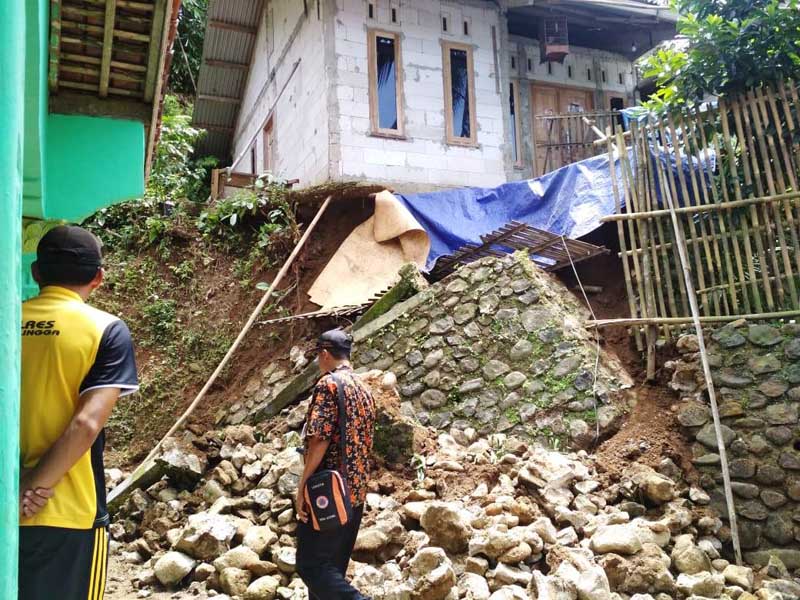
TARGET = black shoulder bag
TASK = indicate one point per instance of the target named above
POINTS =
(326, 492)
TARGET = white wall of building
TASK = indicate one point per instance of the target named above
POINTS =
(310, 75)
(293, 94)
(424, 157)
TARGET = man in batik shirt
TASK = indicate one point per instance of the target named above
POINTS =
(323, 556)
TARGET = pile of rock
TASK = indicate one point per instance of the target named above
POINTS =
(534, 523)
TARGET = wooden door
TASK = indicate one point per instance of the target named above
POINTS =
(545, 102)
(555, 140)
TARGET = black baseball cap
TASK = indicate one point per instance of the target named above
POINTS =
(335, 339)
(69, 254)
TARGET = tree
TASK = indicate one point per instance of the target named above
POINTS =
(727, 46)
(188, 47)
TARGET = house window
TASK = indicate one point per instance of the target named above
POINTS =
(589, 74)
(459, 92)
(513, 62)
(394, 15)
(444, 23)
(549, 68)
(530, 65)
(269, 147)
(513, 105)
(621, 79)
(385, 83)
(569, 71)
(371, 10)
(603, 75)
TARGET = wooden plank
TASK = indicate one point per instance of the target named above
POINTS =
(88, 87)
(210, 127)
(154, 49)
(54, 45)
(108, 46)
(128, 4)
(217, 24)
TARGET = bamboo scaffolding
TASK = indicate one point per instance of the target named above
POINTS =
(727, 178)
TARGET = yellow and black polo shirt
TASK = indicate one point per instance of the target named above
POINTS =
(69, 348)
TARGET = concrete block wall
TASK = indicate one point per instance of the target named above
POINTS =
(424, 156)
(294, 94)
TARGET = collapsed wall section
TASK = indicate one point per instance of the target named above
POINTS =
(499, 346)
(756, 373)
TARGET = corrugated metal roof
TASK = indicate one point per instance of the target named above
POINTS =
(229, 41)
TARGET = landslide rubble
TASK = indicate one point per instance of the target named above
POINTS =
(471, 517)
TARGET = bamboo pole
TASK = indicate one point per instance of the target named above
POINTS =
(652, 200)
(665, 189)
(786, 314)
(626, 269)
(247, 326)
(646, 284)
(793, 197)
(720, 220)
(748, 179)
(698, 264)
(785, 180)
(767, 161)
(737, 254)
(698, 327)
(695, 163)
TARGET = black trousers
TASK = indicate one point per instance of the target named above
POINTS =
(63, 564)
(323, 556)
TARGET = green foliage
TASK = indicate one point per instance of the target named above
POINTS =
(174, 174)
(160, 315)
(727, 46)
(185, 65)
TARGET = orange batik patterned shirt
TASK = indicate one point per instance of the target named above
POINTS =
(323, 422)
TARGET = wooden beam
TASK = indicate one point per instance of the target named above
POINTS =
(233, 27)
(72, 103)
(108, 45)
(223, 99)
(54, 45)
(154, 49)
(129, 4)
(225, 64)
(88, 87)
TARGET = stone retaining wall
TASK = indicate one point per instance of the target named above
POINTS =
(756, 370)
(499, 346)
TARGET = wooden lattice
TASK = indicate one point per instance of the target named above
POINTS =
(548, 250)
(735, 183)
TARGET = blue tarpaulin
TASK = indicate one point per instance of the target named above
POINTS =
(569, 202)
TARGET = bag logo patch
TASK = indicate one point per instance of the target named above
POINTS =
(322, 502)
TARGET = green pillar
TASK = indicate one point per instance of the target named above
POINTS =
(12, 67)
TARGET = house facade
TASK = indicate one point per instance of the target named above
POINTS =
(422, 93)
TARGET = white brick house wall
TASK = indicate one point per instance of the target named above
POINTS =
(320, 104)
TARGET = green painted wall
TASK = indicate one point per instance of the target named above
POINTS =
(91, 163)
(35, 43)
(12, 69)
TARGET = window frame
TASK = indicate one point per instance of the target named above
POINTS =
(451, 139)
(372, 56)
(516, 123)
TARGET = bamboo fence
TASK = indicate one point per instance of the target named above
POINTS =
(731, 172)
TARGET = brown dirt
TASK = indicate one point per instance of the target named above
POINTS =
(227, 304)
(649, 435)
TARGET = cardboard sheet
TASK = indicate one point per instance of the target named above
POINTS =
(367, 262)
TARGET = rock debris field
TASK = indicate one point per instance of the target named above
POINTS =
(478, 517)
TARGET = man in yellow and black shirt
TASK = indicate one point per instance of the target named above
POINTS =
(76, 362)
